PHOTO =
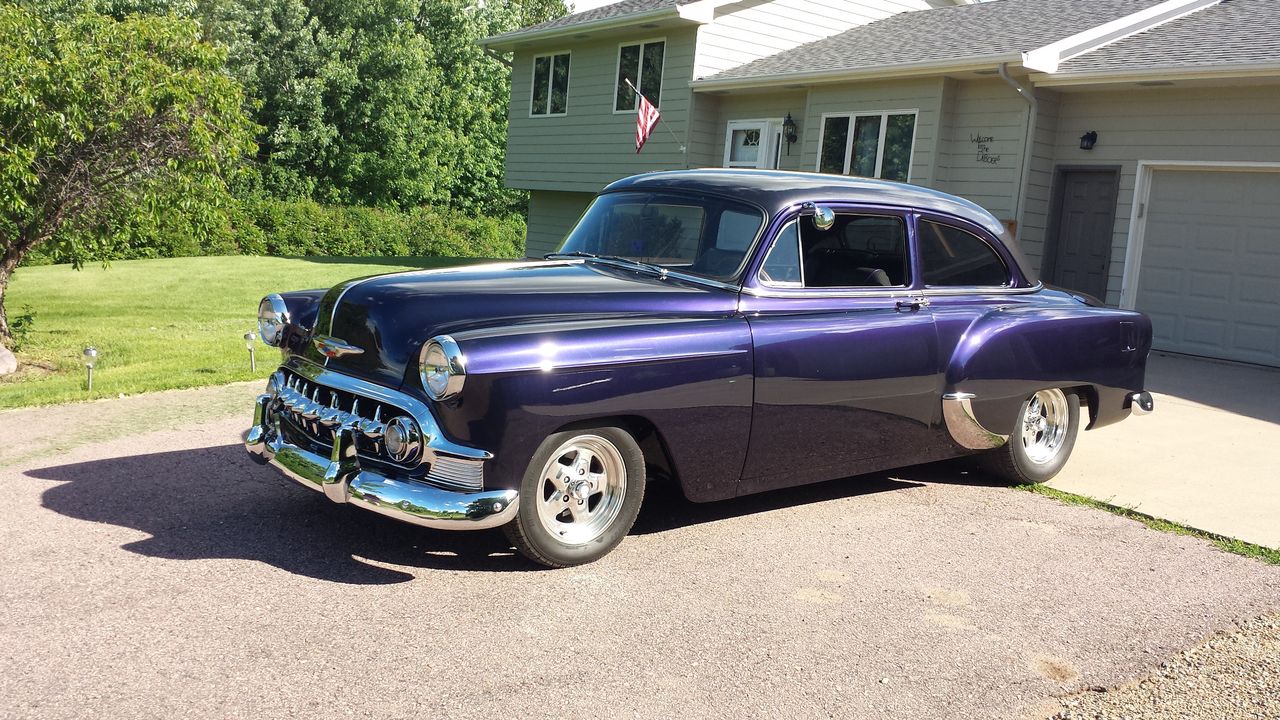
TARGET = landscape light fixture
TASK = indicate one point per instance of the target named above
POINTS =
(90, 359)
(789, 132)
(249, 339)
(1088, 140)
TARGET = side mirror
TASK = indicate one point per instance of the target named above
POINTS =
(823, 217)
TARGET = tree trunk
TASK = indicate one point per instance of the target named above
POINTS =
(8, 263)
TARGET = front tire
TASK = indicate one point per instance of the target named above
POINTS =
(1042, 440)
(579, 497)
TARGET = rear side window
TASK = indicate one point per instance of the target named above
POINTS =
(953, 257)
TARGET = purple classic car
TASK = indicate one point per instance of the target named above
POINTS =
(732, 331)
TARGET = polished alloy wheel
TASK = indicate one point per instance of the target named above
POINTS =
(582, 489)
(1045, 425)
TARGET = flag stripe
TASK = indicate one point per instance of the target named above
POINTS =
(646, 120)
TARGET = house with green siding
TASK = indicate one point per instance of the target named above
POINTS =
(1132, 146)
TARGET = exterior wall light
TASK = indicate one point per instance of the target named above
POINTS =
(789, 133)
(1088, 140)
(90, 359)
(249, 338)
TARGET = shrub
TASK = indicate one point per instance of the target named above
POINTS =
(267, 226)
(304, 227)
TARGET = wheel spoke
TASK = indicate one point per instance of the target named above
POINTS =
(557, 479)
(582, 464)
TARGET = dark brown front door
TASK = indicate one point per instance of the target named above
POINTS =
(1081, 255)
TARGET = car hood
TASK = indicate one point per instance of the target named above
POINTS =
(389, 317)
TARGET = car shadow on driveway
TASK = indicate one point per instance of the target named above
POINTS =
(215, 502)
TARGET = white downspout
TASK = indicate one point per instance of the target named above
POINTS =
(1024, 177)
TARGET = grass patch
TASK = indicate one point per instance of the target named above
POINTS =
(1231, 545)
(159, 324)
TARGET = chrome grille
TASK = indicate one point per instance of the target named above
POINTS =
(315, 412)
(457, 473)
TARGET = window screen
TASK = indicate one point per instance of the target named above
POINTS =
(954, 257)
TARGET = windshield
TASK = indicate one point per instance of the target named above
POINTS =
(705, 236)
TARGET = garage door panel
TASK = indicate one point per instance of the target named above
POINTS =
(1262, 339)
(1210, 275)
(1259, 289)
(1207, 285)
(1203, 332)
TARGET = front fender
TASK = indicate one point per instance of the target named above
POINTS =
(1007, 354)
(690, 379)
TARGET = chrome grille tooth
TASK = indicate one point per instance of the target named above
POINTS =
(355, 405)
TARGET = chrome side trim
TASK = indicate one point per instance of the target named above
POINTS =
(1141, 403)
(894, 292)
(342, 480)
(435, 441)
(957, 412)
(983, 290)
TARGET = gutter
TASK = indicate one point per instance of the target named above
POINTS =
(878, 72)
(1219, 71)
(511, 38)
(1028, 143)
(700, 12)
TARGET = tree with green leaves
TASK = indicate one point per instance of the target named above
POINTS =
(385, 103)
(105, 126)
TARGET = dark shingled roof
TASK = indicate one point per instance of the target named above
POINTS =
(1000, 27)
(618, 9)
(1244, 32)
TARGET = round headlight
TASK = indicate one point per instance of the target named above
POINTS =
(273, 316)
(442, 368)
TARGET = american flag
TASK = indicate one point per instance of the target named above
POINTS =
(646, 119)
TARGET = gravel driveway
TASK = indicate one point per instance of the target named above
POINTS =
(163, 574)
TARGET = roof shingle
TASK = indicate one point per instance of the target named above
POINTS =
(605, 12)
(999, 27)
(1244, 32)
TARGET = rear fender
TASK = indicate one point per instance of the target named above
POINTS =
(1009, 353)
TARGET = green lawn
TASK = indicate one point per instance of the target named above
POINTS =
(158, 324)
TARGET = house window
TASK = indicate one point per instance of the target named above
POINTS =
(641, 63)
(876, 145)
(753, 143)
(550, 85)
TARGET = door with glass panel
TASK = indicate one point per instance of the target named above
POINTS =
(753, 143)
(874, 144)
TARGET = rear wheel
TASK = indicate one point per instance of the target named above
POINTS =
(1041, 442)
(579, 497)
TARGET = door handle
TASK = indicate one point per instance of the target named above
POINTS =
(912, 304)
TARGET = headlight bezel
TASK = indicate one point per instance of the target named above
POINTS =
(443, 375)
(273, 318)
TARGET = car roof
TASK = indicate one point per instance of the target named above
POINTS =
(776, 190)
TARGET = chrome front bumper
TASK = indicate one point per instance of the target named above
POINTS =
(342, 480)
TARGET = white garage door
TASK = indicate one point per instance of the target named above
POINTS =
(1210, 276)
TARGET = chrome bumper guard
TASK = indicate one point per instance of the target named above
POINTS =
(1141, 403)
(342, 480)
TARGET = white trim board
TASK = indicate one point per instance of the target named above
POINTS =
(1142, 198)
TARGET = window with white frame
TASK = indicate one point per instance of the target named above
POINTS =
(641, 63)
(550, 94)
(753, 143)
(877, 145)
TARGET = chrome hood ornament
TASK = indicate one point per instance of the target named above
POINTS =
(332, 347)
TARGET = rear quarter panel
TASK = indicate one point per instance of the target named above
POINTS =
(1004, 352)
